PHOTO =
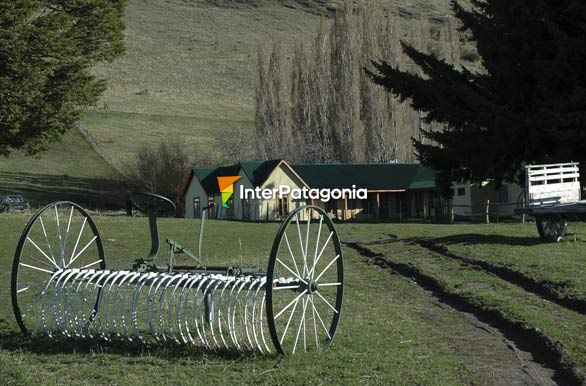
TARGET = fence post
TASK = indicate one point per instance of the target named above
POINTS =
(487, 211)
(452, 216)
(523, 206)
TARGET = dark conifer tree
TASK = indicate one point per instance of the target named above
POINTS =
(46, 50)
(527, 105)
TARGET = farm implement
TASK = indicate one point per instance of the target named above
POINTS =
(61, 286)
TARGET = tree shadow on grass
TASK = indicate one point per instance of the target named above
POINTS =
(40, 189)
(56, 345)
(477, 238)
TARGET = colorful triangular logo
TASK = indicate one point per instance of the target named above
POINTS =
(226, 185)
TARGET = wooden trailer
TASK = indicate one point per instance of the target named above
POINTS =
(552, 193)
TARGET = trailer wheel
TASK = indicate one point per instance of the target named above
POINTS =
(551, 227)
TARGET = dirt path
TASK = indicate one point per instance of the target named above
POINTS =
(494, 354)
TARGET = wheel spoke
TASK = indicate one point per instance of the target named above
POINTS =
(82, 251)
(291, 253)
(289, 321)
(325, 300)
(289, 305)
(289, 269)
(44, 254)
(320, 254)
(77, 242)
(305, 270)
(320, 319)
(36, 268)
(300, 324)
(321, 217)
(300, 238)
(326, 268)
(46, 238)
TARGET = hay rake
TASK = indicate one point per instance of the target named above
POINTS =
(60, 285)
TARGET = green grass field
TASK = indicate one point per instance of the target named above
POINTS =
(392, 331)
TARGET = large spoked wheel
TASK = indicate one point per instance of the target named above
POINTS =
(551, 227)
(305, 282)
(60, 236)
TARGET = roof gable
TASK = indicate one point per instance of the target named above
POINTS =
(369, 176)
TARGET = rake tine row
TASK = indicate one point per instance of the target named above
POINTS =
(212, 310)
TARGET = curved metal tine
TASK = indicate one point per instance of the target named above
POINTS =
(44, 305)
(209, 322)
(108, 289)
(312, 271)
(184, 298)
(245, 316)
(210, 313)
(202, 311)
(97, 275)
(231, 333)
(71, 315)
(179, 309)
(197, 312)
(195, 279)
(57, 292)
(165, 304)
(159, 279)
(143, 280)
(173, 306)
(166, 278)
(235, 306)
(260, 284)
(137, 283)
(38, 304)
(77, 326)
(261, 324)
(62, 301)
(220, 311)
(125, 310)
(119, 286)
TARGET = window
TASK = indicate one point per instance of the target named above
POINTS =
(282, 207)
(461, 191)
(211, 210)
(245, 209)
(196, 207)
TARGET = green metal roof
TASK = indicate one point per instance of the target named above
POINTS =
(369, 176)
(258, 171)
(208, 176)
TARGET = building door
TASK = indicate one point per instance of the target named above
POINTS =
(196, 207)
(245, 209)
(282, 207)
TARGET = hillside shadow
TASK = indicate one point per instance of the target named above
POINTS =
(40, 189)
(477, 238)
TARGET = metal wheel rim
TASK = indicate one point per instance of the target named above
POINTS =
(327, 325)
(47, 268)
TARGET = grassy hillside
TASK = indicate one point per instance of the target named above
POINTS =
(189, 70)
(70, 170)
(188, 73)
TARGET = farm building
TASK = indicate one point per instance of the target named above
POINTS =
(393, 191)
(469, 200)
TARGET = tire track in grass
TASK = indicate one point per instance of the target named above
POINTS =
(547, 289)
(545, 350)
